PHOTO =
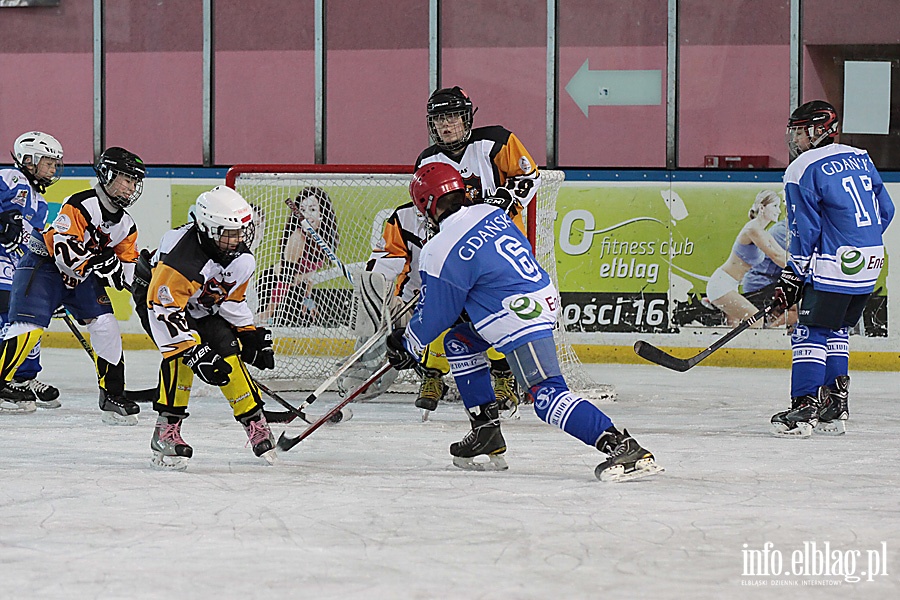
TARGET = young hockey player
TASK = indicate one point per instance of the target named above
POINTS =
(837, 211)
(200, 321)
(480, 265)
(88, 247)
(38, 159)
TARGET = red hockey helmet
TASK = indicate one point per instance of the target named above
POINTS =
(430, 182)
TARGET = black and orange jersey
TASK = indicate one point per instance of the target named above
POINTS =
(83, 229)
(396, 254)
(186, 281)
(493, 157)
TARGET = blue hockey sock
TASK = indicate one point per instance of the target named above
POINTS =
(556, 405)
(838, 356)
(809, 349)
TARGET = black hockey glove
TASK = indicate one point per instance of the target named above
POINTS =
(11, 233)
(502, 199)
(256, 348)
(107, 267)
(397, 354)
(787, 291)
(207, 364)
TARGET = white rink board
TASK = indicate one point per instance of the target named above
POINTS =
(372, 508)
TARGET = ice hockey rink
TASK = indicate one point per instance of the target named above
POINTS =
(373, 508)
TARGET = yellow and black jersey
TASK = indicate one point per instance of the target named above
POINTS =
(492, 158)
(186, 281)
(83, 229)
(397, 252)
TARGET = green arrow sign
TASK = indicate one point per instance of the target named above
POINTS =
(614, 88)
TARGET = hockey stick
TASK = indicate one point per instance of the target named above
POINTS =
(285, 443)
(650, 352)
(147, 395)
(280, 417)
(310, 231)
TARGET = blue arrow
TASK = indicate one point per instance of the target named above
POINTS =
(615, 88)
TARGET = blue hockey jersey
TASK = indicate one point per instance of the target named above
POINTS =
(837, 209)
(481, 263)
(16, 193)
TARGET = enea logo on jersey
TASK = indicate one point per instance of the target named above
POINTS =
(526, 308)
(852, 261)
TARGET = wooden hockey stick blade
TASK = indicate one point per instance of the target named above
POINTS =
(285, 443)
(649, 352)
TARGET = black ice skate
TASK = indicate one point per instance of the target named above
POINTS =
(485, 438)
(259, 436)
(803, 416)
(431, 391)
(15, 401)
(170, 451)
(836, 410)
(117, 409)
(44, 395)
(627, 459)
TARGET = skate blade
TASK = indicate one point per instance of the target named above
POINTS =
(425, 414)
(114, 418)
(495, 462)
(18, 408)
(802, 430)
(48, 403)
(168, 463)
(835, 427)
(270, 457)
(642, 468)
(511, 414)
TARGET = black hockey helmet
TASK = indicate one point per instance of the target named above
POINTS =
(445, 103)
(812, 125)
(115, 161)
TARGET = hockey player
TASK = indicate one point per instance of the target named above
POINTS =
(837, 211)
(90, 245)
(38, 159)
(202, 324)
(495, 167)
(480, 265)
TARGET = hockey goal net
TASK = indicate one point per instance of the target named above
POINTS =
(305, 298)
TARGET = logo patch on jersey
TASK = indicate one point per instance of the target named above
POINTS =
(526, 308)
(852, 262)
(164, 295)
(214, 292)
(21, 198)
(456, 348)
(544, 397)
(62, 223)
(104, 300)
(525, 164)
(801, 332)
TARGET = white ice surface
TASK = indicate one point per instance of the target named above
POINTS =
(372, 508)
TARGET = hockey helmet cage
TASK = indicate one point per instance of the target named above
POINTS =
(818, 120)
(219, 214)
(114, 161)
(445, 103)
(28, 150)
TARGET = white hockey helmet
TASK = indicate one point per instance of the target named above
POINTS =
(28, 150)
(224, 222)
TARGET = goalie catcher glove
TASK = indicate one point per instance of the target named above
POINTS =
(107, 267)
(11, 232)
(207, 364)
(256, 347)
(502, 198)
(787, 291)
(397, 354)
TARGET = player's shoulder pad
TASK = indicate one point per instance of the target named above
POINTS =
(494, 133)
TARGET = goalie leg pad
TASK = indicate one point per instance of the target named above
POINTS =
(371, 298)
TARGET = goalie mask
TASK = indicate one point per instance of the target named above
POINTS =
(429, 184)
(450, 118)
(39, 157)
(811, 125)
(121, 175)
(224, 223)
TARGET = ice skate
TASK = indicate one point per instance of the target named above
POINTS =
(259, 436)
(14, 401)
(118, 410)
(506, 391)
(485, 439)
(431, 391)
(627, 459)
(835, 411)
(803, 416)
(43, 394)
(170, 451)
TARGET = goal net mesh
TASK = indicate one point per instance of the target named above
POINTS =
(305, 298)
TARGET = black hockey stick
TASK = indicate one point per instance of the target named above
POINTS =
(147, 395)
(650, 352)
(285, 443)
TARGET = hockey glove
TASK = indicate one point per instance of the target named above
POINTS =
(107, 267)
(256, 348)
(11, 233)
(207, 364)
(787, 291)
(397, 354)
(502, 199)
